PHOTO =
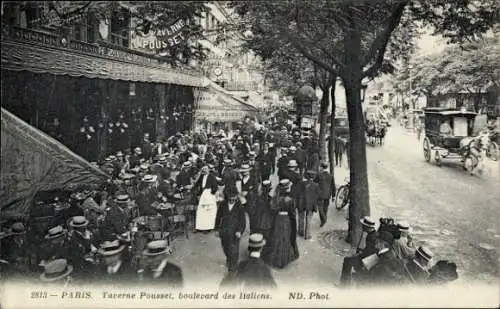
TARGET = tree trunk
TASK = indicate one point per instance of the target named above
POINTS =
(331, 140)
(323, 115)
(351, 76)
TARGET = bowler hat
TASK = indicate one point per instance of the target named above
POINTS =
(56, 269)
(256, 240)
(109, 248)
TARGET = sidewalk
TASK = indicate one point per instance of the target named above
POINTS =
(319, 263)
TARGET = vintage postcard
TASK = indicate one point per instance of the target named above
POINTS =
(250, 154)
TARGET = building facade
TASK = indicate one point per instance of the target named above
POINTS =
(86, 86)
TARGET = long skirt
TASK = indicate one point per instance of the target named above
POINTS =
(281, 249)
(206, 212)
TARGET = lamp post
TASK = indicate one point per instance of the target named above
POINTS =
(411, 86)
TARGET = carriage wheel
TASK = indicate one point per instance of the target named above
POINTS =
(427, 149)
(341, 197)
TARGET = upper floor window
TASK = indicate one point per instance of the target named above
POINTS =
(120, 28)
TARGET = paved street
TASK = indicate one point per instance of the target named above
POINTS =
(453, 213)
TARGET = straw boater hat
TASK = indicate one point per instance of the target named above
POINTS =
(17, 228)
(256, 241)
(187, 164)
(227, 162)
(292, 163)
(149, 178)
(367, 224)
(162, 159)
(109, 248)
(266, 183)
(245, 168)
(121, 199)
(112, 158)
(285, 184)
(119, 154)
(251, 154)
(144, 166)
(138, 150)
(78, 221)
(293, 148)
(56, 232)
(403, 226)
(424, 253)
(156, 247)
(55, 270)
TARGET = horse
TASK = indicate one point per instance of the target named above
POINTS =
(380, 134)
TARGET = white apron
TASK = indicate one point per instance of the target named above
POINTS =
(207, 211)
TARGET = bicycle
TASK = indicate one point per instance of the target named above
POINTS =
(342, 197)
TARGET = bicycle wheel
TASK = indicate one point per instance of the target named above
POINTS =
(493, 151)
(341, 197)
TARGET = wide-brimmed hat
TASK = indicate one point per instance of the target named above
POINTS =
(17, 228)
(109, 248)
(368, 223)
(122, 199)
(292, 163)
(156, 247)
(256, 240)
(245, 168)
(56, 232)
(149, 178)
(78, 221)
(55, 270)
(266, 183)
(424, 253)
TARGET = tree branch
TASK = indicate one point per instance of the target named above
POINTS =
(379, 44)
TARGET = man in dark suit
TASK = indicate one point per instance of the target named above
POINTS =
(116, 267)
(253, 272)
(159, 269)
(265, 160)
(229, 176)
(300, 157)
(233, 224)
(116, 220)
(283, 164)
(147, 148)
(183, 179)
(308, 204)
(327, 191)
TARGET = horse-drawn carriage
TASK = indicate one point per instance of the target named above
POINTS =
(376, 129)
(449, 134)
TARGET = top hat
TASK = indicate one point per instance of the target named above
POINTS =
(78, 221)
(256, 240)
(122, 199)
(266, 183)
(245, 168)
(17, 228)
(368, 224)
(56, 269)
(55, 232)
(292, 163)
(109, 248)
(424, 252)
(149, 178)
(156, 247)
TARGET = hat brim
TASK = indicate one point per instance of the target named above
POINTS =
(147, 253)
(245, 170)
(111, 252)
(17, 233)
(56, 236)
(68, 271)
(72, 224)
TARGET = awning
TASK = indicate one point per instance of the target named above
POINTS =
(214, 104)
(44, 53)
(32, 161)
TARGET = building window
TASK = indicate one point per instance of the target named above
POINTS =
(120, 25)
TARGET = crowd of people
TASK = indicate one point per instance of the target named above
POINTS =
(94, 232)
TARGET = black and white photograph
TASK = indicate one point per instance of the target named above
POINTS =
(280, 153)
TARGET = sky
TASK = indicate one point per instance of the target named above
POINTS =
(429, 44)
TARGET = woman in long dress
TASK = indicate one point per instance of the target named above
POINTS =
(207, 207)
(282, 249)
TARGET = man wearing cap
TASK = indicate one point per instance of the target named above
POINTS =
(14, 249)
(418, 266)
(57, 246)
(254, 272)
(233, 224)
(327, 191)
(265, 161)
(81, 245)
(158, 268)
(116, 219)
(115, 267)
(308, 204)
